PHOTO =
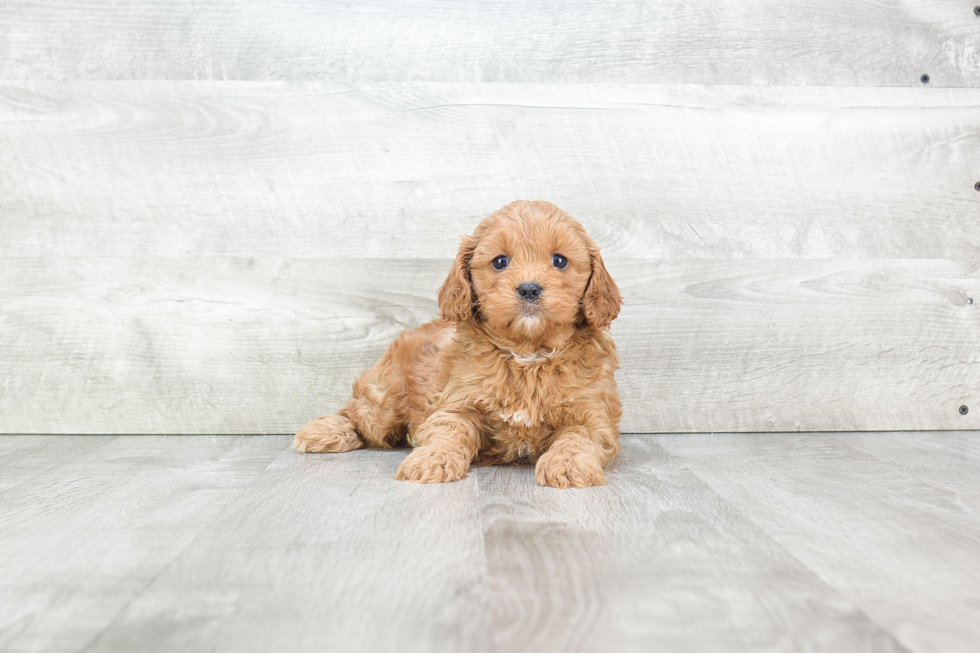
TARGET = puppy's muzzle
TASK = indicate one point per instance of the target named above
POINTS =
(529, 292)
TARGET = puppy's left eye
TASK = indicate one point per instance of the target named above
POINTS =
(559, 261)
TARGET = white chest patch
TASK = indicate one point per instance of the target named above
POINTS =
(519, 418)
(530, 359)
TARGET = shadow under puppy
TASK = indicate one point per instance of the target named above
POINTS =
(519, 367)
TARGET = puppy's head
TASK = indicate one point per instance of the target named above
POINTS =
(527, 271)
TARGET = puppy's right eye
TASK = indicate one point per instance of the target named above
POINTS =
(500, 262)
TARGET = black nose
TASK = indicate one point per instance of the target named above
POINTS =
(529, 292)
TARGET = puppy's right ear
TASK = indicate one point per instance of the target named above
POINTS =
(456, 294)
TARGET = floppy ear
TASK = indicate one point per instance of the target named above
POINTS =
(456, 294)
(601, 300)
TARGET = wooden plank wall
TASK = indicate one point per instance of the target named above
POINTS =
(212, 216)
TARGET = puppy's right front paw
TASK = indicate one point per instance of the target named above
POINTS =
(433, 464)
(328, 434)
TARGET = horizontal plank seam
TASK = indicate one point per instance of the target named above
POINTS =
(379, 86)
(812, 432)
(625, 433)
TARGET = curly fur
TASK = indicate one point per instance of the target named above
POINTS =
(498, 379)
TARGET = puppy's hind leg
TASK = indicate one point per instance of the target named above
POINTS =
(366, 419)
(375, 416)
(328, 434)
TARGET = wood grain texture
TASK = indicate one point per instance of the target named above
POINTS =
(762, 542)
(854, 517)
(233, 345)
(182, 169)
(656, 560)
(81, 540)
(22, 458)
(859, 42)
(801, 345)
(323, 553)
(949, 462)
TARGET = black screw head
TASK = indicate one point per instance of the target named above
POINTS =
(976, 10)
(924, 79)
(969, 300)
(964, 410)
(976, 186)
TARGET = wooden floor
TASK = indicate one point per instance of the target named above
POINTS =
(777, 542)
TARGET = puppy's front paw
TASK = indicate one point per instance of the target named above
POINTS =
(328, 434)
(564, 469)
(433, 464)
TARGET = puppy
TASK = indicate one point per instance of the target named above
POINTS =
(518, 369)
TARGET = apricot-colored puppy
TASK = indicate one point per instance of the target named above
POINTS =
(519, 368)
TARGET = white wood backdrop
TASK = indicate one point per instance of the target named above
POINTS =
(185, 253)
(835, 42)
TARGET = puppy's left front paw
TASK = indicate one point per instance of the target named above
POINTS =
(565, 469)
(433, 464)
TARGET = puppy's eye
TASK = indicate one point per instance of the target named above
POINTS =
(500, 262)
(559, 261)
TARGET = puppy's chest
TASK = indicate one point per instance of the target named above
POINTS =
(524, 418)
(523, 415)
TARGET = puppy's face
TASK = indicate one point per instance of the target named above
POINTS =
(529, 275)
(529, 271)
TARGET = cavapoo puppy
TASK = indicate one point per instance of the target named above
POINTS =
(518, 369)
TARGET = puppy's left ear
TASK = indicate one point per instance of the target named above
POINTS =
(456, 294)
(601, 300)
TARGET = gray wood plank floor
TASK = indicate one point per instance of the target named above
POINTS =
(776, 542)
